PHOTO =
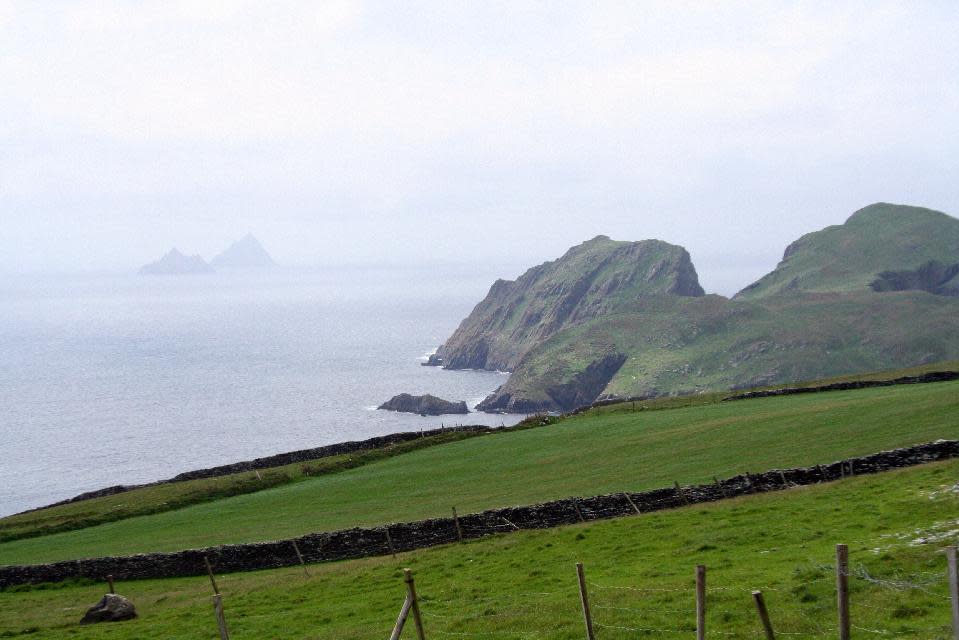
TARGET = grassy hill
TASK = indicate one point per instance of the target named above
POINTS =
(639, 570)
(682, 345)
(873, 293)
(603, 451)
(848, 257)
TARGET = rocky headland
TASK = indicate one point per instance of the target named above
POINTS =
(629, 319)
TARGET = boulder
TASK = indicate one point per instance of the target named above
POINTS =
(111, 608)
(426, 405)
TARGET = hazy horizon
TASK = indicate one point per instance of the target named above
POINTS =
(362, 133)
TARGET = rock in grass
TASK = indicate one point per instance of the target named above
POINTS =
(426, 405)
(111, 608)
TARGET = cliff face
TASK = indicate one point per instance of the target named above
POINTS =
(591, 280)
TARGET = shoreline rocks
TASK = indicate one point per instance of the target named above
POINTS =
(425, 405)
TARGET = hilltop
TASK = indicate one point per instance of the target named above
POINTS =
(875, 240)
(877, 292)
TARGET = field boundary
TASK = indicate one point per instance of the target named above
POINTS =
(278, 460)
(934, 376)
(388, 539)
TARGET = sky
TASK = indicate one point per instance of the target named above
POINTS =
(493, 133)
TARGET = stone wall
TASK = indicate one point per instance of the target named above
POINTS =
(357, 543)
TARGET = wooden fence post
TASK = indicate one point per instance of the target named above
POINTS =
(953, 589)
(763, 615)
(578, 512)
(220, 619)
(389, 541)
(584, 598)
(632, 504)
(700, 602)
(842, 589)
(414, 605)
(459, 530)
(680, 492)
(299, 555)
(401, 619)
(209, 571)
(110, 583)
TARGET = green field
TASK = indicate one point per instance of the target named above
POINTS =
(639, 570)
(587, 455)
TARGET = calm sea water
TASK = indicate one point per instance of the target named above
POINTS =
(117, 380)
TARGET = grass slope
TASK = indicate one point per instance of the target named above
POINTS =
(640, 571)
(585, 455)
(176, 495)
(848, 257)
(711, 343)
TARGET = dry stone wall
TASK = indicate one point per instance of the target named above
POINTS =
(357, 543)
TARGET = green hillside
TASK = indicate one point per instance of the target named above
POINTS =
(668, 345)
(584, 455)
(848, 257)
(639, 572)
(878, 292)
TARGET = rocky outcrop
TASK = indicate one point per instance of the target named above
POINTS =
(582, 389)
(110, 608)
(245, 253)
(175, 263)
(591, 280)
(405, 536)
(933, 277)
(425, 405)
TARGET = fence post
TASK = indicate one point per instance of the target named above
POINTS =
(459, 530)
(209, 571)
(401, 620)
(220, 619)
(680, 492)
(763, 615)
(584, 598)
(299, 555)
(389, 541)
(414, 605)
(110, 583)
(700, 602)
(578, 512)
(953, 589)
(842, 589)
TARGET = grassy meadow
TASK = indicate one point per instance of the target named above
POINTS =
(613, 449)
(639, 571)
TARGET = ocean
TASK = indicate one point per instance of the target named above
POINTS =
(127, 379)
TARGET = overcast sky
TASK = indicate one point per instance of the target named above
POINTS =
(467, 132)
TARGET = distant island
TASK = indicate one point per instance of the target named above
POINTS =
(176, 263)
(245, 253)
